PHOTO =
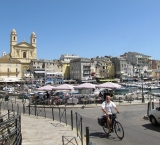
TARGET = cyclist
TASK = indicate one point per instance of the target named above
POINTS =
(107, 106)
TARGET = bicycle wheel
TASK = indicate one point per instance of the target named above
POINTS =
(105, 129)
(119, 130)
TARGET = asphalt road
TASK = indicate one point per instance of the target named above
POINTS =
(137, 131)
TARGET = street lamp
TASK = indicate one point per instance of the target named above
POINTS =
(142, 88)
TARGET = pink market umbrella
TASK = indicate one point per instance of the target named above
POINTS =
(64, 87)
(46, 88)
(109, 85)
(85, 86)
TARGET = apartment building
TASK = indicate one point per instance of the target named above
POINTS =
(65, 60)
(104, 68)
(122, 67)
(80, 69)
(50, 70)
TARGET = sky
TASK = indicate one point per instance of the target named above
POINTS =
(87, 28)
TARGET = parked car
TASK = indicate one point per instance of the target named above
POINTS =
(154, 116)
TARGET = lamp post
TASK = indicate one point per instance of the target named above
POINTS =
(142, 88)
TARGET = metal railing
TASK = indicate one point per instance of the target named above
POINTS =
(38, 110)
(79, 126)
(10, 129)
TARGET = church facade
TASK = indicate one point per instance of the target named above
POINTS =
(23, 51)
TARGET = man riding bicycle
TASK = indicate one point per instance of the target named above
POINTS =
(107, 106)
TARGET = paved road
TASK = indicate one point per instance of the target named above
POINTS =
(137, 130)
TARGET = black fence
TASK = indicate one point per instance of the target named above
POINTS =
(10, 129)
(40, 110)
(79, 126)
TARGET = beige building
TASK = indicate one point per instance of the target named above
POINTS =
(10, 70)
(19, 57)
(23, 51)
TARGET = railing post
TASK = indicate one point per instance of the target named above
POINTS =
(148, 108)
(65, 117)
(16, 130)
(8, 113)
(17, 108)
(35, 109)
(81, 132)
(12, 106)
(45, 111)
(15, 99)
(23, 109)
(71, 120)
(29, 110)
(87, 135)
(152, 105)
(59, 115)
(76, 124)
(52, 113)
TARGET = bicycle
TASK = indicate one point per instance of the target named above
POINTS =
(115, 125)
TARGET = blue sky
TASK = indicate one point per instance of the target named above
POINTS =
(88, 28)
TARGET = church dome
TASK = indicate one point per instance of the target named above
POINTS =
(13, 31)
(33, 34)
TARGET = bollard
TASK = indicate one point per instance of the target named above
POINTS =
(87, 135)
(71, 120)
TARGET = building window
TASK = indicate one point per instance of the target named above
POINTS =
(24, 54)
(16, 70)
(8, 69)
(14, 38)
(34, 40)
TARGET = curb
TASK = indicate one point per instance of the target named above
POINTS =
(83, 107)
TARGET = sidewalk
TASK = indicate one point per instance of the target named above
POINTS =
(41, 131)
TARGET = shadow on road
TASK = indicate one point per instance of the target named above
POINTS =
(97, 134)
(150, 127)
(103, 135)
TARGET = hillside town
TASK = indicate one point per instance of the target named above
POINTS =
(22, 64)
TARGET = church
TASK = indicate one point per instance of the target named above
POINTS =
(21, 53)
